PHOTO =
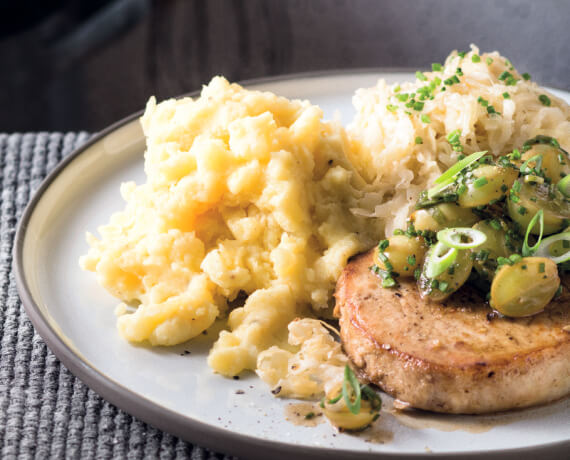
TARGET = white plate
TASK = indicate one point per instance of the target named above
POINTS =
(177, 392)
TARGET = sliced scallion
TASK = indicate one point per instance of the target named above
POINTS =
(545, 249)
(351, 380)
(537, 159)
(439, 260)
(461, 237)
(459, 166)
(448, 176)
(527, 250)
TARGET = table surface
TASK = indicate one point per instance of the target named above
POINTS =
(167, 49)
(83, 70)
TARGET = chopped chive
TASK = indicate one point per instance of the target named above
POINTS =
(461, 189)
(526, 76)
(443, 285)
(515, 258)
(417, 273)
(475, 58)
(459, 72)
(419, 140)
(504, 75)
(489, 61)
(506, 95)
(420, 76)
(391, 107)
(412, 260)
(397, 89)
(544, 99)
(491, 110)
(453, 136)
(516, 187)
(403, 97)
(418, 106)
(541, 267)
(522, 211)
(389, 282)
(436, 67)
(425, 118)
(480, 182)
(462, 54)
(495, 224)
(383, 245)
(503, 261)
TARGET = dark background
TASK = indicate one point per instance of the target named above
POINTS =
(81, 65)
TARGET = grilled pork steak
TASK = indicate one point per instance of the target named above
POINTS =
(453, 356)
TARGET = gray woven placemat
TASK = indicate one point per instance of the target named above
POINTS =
(45, 412)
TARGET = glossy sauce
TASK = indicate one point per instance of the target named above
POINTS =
(300, 414)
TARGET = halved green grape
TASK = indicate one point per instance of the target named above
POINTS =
(404, 254)
(443, 215)
(448, 281)
(555, 163)
(530, 198)
(489, 183)
(485, 256)
(524, 288)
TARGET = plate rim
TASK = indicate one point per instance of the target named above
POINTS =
(188, 428)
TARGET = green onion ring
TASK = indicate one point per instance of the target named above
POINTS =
(350, 379)
(543, 250)
(524, 167)
(448, 176)
(439, 259)
(439, 187)
(564, 186)
(370, 395)
(452, 237)
(459, 166)
(527, 250)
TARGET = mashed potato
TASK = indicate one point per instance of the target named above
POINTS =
(246, 192)
(250, 193)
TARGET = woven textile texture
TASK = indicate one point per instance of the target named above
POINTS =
(45, 412)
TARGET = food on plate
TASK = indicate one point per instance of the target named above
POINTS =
(253, 205)
(404, 135)
(424, 331)
(451, 356)
(247, 193)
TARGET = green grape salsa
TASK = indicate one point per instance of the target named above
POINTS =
(500, 224)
